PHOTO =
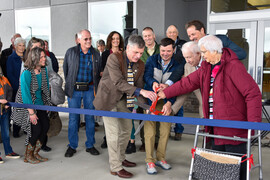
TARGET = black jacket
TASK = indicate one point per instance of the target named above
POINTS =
(3, 61)
(104, 58)
(71, 66)
(178, 56)
(55, 64)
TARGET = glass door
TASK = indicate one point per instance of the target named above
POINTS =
(254, 37)
(244, 35)
(263, 58)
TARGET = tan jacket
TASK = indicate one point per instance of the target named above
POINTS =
(113, 84)
(181, 99)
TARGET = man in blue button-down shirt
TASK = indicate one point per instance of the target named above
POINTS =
(81, 70)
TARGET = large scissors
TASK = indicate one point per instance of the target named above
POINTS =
(150, 109)
(146, 107)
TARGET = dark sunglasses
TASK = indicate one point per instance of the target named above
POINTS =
(86, 39)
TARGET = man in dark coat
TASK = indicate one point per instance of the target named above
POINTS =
(81, 71)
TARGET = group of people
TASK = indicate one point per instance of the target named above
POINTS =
(27, 70)
(151, 72)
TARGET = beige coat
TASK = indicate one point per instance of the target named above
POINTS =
(181, 99)
(113, 84)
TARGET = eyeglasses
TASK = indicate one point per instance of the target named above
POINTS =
(87, 39)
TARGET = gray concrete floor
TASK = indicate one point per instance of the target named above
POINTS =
(85, 166)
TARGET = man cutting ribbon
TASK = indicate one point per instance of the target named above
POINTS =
(118, 85)
(158, 69)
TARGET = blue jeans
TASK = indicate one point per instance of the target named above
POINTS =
(4, 123)
(178, 126)
(75, 102)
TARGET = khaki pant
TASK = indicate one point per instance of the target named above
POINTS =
(149, 136)
(118, 132)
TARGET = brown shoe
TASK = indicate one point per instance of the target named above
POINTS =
(142, 148)
(122, 173)
(127, 163)
(177, 136)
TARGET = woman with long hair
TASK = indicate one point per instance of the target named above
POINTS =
(33, 89)
(115, 43)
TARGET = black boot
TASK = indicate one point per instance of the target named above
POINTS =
(131, 148)
(104, 143)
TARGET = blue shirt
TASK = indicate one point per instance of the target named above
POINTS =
(85, 67)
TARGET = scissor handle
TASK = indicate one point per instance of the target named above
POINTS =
(152, 108)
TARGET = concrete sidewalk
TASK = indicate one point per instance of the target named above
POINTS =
(85, 166)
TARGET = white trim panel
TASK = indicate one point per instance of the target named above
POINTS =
(240, 16)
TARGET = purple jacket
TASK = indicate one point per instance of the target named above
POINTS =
(236, 95)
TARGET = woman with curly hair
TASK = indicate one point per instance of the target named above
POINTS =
(115, 43)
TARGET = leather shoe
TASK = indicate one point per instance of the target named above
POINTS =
(82, 124)
(127, 163)
(70, 152)
(16, 135)
(46, 148)
(178, 136)
(122, 173)
(104, 144)
(96, 124)
(92, 151)
(131, 148)
(142, 148)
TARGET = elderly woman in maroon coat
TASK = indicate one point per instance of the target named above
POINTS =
(228, 92)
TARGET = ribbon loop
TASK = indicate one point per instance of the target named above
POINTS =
(251, 161)
(193, 150)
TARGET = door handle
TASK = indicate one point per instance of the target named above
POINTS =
(259, 75)
(251, 72)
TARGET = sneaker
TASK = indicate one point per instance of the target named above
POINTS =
(151, 168)
(1, 161)
(13, 155)
(163, 165)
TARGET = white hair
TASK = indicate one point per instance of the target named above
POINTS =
(211, 43)
(19, 40)
(79, 34)
(192, 47)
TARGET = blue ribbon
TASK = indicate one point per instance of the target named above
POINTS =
(149, 117)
